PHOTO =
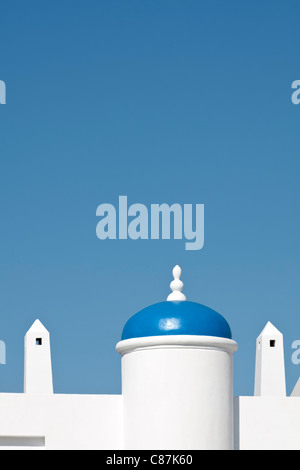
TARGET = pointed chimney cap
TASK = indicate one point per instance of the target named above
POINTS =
(37, 327)
(270, 330)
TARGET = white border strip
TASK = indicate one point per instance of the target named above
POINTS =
(208, 342)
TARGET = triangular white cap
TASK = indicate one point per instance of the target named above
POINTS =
(296, 391)
(37, 327)
(270, 330)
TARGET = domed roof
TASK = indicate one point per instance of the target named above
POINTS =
(176, 316)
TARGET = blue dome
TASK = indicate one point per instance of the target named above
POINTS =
(176, 318)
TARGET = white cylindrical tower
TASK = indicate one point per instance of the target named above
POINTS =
(177, 383)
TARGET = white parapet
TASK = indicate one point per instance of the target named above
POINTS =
(60, 422)
(267, 423)
(177, 392)
(38, 367)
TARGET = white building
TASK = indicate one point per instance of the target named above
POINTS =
(177, 390)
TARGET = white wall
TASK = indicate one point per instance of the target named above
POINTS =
(65, 421)
(95, 422)
(267, 423)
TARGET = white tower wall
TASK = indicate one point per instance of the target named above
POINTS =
(269, 368)
(177, 392)
(38, 368)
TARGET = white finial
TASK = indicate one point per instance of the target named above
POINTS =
(176, 286)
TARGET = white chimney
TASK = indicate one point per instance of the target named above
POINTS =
(38, 368)
(270, 370)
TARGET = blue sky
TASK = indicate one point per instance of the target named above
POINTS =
(165, 101)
